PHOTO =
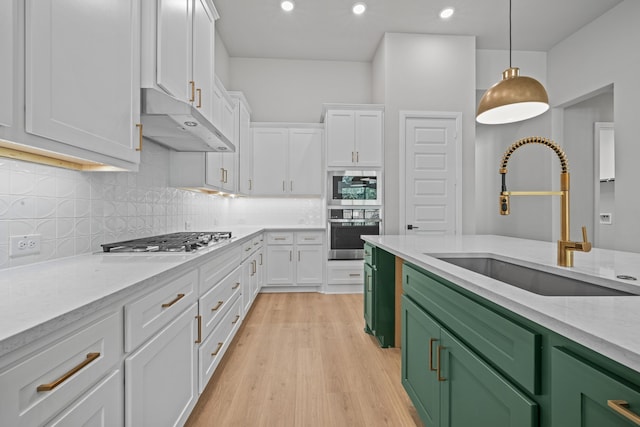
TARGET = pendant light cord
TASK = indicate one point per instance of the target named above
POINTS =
(509, 33)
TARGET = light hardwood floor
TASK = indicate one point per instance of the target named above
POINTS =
(303, 360)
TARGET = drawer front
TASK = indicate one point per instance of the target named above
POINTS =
(214, 347)
(247, 249)
(369, 252)
(339, 275)
(257, 242)
(512, 348)
(217, 301)
(101, 406)
(309, 237)
(149, 314)
(62, 372)
(213, 271)
(285, 238)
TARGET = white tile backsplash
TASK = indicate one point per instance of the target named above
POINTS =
(75, 212)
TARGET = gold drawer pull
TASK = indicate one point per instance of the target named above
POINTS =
(354, 274)
(139, 126)
(48, 387)
(199, 92)
(236, 321)
(438, 367)
(620, 406)
(217, 305)
(236, 285)
(175, 300)
(309, 238)
(215, 353)
(199, 340)
(431, 341)
(256, 243)
(279, 238)
(193, 91)
(248, 249)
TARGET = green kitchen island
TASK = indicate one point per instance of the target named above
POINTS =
(478, 351)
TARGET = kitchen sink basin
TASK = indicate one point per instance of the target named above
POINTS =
(532, 280)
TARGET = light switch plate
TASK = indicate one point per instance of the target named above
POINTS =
(606, 218)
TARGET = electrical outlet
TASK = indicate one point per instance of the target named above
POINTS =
(25, 245)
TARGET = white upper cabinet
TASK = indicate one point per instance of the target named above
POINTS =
(82, 74)
(7, 28)
(174, 27)
(245, 148)
(354, 135)
(287, 161)
(203, 45)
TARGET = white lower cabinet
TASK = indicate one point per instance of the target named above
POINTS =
(161, 386)
(345, 276)
(102, 406)
(47, 380)
(252, 270)
(295, 258)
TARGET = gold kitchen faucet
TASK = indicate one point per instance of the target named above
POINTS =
(566, 247)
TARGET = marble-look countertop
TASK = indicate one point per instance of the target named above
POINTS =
(38, 299)
(609, 325)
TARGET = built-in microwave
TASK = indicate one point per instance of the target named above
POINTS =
(354, 188)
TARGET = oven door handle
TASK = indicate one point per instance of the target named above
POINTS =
(356, 220)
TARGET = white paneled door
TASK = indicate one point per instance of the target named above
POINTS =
(431, 173)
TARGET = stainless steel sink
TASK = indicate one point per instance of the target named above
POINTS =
(532, 280)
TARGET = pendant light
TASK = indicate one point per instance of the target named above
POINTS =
(514, 98)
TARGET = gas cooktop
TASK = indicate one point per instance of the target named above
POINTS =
(173, 242)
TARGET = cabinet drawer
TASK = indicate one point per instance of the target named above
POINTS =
(247, 248)
(213, 271)
(257, 242)
(214, 347)
(149, 314)
(510, 347)
(581, 392)
(280, 238)
(215, 303)
(339, 275)
(103, 403)
(61, 371)
(309, 237)
(369, 252)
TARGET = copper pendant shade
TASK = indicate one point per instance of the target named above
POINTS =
(514, 98)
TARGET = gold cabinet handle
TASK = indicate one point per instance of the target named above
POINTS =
(291, 186)
(218, 305)
(357, 157)
(620, 406)
(175, 300)
(250, 185)
(226, 176)
(221, 174)
(139, 126)
(50, 386)
(353, 157)
(354, 274)
(290, 255)
(431, 341)
(255, 266)
(298, 256)
(283, 186)
(236, 285)
(256, 243)
(215, 353)
(439, 367)
(279, 238)
(260, 259)
(236, 321)
(248, 249)
(199, 340)
(309, 238)
(193, 91)
(199, 92)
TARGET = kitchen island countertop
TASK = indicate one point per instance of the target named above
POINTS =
(609, 325)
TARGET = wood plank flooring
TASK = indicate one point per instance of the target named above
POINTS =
(303, 360)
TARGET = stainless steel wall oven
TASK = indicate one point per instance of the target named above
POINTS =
(345, 228)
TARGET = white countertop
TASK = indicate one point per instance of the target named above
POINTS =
(609, 325)
(38, 299)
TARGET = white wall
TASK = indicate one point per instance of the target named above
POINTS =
(602, 53)
(281, 90)
(221, 61)
(491, 63)
(429, 73)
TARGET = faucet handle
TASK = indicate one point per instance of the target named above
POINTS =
(585, 245)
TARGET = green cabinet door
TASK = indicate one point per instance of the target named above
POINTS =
(474, 394)
(369, 327)
(581, 394)
(420, 336)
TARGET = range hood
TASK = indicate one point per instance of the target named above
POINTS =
(178, 125)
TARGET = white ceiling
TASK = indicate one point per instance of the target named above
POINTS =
(328, 30)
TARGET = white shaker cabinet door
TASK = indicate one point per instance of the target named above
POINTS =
(340, 138)
(305, 161)
(161, 377)
(8, 14)
(280, 265)
(270, 160)
(174, 47)
(83, 74)
(310, 264)
(368, 138)
(203, 39)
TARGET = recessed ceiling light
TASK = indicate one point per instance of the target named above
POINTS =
(359, 8)
(447, 13)
(287, 5)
